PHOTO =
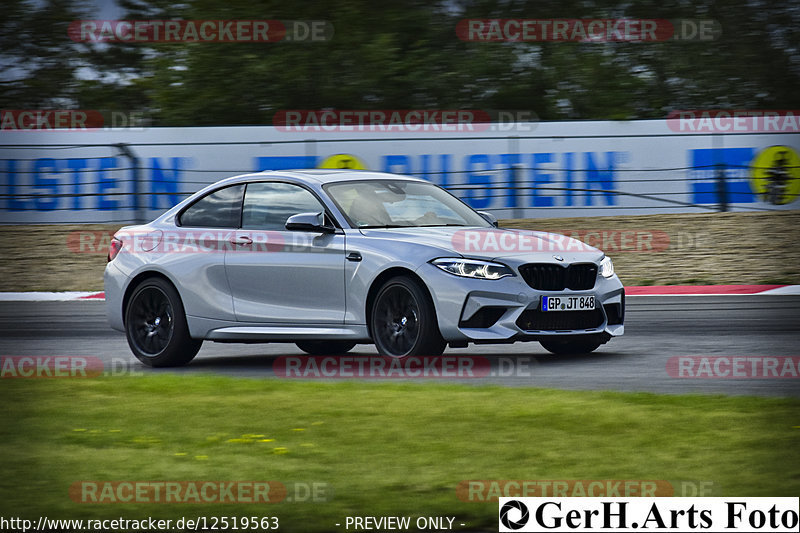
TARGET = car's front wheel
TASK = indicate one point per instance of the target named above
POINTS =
(403, 320)
(572, 345)
(156, 327)
(325, 347)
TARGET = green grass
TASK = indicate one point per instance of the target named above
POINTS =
(385, 449)
(776, 281)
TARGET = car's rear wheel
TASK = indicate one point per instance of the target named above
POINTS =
(403, 320)
(572, 345)
(325, 347)
(156, 327)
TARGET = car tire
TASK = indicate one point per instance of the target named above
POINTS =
(403, 320)
(155, 325)
(325, 347)
(577, 344)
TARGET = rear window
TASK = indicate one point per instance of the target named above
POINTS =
(220, 209)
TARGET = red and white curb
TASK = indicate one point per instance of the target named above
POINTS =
(50, 296)
(712, 290)
(652, 290)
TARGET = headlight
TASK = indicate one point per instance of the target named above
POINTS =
(606, 267)
(470, 268)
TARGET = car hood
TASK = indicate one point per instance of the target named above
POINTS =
(494, 243)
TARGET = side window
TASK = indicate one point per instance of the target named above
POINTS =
(220, 209)
(268, 205)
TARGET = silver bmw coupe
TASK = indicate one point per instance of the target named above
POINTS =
(328, 259)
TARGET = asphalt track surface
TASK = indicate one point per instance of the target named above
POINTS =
(657, 328)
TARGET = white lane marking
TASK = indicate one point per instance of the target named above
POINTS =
(787, 290)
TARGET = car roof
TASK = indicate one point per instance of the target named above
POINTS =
(322, 175)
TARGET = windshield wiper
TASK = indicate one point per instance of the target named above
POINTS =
(435, 225)
(385, 226)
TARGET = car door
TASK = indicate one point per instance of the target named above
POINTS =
(280, 276)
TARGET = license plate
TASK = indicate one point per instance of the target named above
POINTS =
(567, 303)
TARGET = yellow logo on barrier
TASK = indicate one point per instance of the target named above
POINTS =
(775, 175)
(343, 161)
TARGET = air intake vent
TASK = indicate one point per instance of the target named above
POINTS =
(535, 320)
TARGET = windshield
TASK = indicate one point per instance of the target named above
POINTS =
(400, 204)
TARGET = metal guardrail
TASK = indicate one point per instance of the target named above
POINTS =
(517, 188)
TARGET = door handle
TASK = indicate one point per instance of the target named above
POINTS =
(242, 240)
(354, 256)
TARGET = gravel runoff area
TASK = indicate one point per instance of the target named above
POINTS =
(709, 248)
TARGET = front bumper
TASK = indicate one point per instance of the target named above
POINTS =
(505, 310)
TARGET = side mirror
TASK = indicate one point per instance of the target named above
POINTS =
(308, 222)
(490, 218)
